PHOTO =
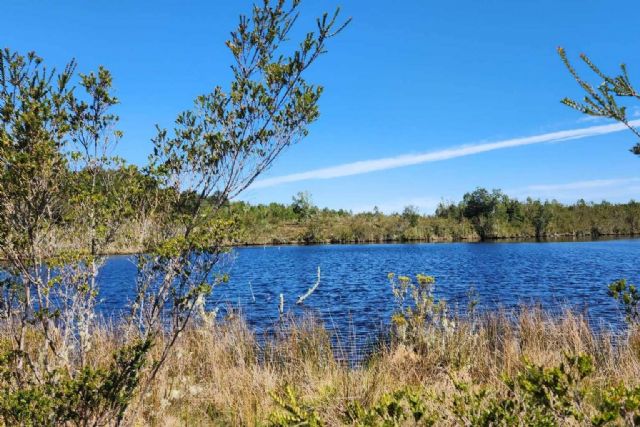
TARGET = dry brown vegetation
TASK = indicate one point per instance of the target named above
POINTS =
(223, 374)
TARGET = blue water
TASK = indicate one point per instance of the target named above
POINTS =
(354, 295)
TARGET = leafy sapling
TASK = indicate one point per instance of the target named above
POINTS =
(628, 297)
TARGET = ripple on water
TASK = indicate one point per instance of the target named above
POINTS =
(354, 295)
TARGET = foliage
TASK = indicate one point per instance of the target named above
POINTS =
(605, 100)
(278, 223)
(94, 396)
(480, 207)
(215, 151)
(302, 206)
(619, 404)
(411, 215)
(292, 412)
(65, 201)
(548, 397)
(55, 171)
(628, 296)
(393, 409)
(536, 395)
(417, 313)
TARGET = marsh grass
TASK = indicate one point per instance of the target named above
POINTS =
(224, 374)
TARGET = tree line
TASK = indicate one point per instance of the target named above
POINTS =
(480, 215)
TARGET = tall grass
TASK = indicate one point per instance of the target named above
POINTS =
(223, 374)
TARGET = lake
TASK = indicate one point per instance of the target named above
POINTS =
(354, 295)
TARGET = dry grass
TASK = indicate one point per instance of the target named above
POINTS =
(223, 374)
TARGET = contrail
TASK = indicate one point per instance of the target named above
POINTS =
(366, 166)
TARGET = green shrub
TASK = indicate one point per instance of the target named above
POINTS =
(619, 405)
(393, 409)
(537, 396)
(417, 313)
(292, 411)
(629, 298)
(93, 396)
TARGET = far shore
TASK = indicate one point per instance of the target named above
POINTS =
(564, 238)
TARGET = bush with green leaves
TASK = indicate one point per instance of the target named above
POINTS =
(57, 180)
(628, 296)
(546, 396)
(292, 411)
(417, 313)
(405, 406)
(535, 396)
(92, 396)
(610, 99)
(619, 405)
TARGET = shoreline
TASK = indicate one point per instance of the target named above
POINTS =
(501, 239)
(564, 238)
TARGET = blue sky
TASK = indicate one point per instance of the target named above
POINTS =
(404, 79)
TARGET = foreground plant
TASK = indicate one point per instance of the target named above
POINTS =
(56, 175)
(215, 151)
(53, 141)
(535, 396)
(608, 98)
(418, 314)
(628, 296)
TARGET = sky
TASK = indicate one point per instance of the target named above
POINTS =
(423, 100)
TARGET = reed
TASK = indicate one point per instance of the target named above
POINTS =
(224, 374)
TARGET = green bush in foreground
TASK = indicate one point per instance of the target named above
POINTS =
(628, 297)
(401, 406)
(536, 396)
(94, 396)
(294, 412)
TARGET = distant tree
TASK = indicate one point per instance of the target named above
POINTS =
(541, 217)
(448, 210)
(511, 217)
(481, 208)
(631, 216)
(480, 202)
(411, 214)
(303, 206)
(513, 209)
(603, 101)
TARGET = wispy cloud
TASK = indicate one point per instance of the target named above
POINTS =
(367, 166)
(583, 185)
(609, 189)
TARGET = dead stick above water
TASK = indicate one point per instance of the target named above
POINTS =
(310, 291)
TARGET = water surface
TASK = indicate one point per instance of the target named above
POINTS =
(354, 295)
